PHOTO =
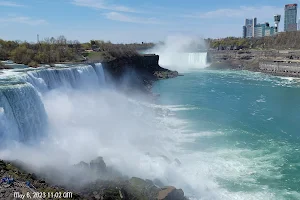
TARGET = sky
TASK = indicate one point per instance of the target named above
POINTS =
(124, 21)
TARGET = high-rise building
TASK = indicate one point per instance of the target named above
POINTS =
(253, 25)
(244, 31)
(261, 30)
(248, 28)
(290, 17)
(253, 29)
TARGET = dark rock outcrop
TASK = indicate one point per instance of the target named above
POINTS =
(98, 165)
(24, 182)
(171, 193)
(136, 72)
(134, 188)
(116, 189)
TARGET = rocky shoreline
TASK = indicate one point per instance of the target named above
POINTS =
(253, 60)
(94, 180)
(19, 181)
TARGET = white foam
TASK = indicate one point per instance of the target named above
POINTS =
(86, 124)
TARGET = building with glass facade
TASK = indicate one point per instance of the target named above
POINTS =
(290, 17)
(248, 28)
(253, 29)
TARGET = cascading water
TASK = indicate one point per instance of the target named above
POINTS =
(78, 122)
(183, 61)
(197, 59)
(83, 76)
(22, 114)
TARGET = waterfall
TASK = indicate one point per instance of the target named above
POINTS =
(197, 59)
(23, 117)
(183, 61)
(23, 113)
(82, 76)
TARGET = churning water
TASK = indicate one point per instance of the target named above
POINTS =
(239, 133)
(235, 133)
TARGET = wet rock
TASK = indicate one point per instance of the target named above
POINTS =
(98, 165)
(171, 193)
(143, 188)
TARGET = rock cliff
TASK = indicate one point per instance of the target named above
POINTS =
(136, 72)
(274, 62)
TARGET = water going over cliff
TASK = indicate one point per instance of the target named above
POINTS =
(183, 61)
(182, 53)
(215, 134)
(23, 117)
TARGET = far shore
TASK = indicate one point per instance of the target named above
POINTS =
(285, 63)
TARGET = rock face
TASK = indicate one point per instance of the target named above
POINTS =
(171, 193)
(24, 182)
(274, 62)
(234, 59)
(117, 189)
(137, 72)
(134, 188)
(98, 165)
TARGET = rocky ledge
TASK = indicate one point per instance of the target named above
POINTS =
(138, 72)
(19, 179)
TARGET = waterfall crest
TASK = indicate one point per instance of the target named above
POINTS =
(23, 117)
(183, 61)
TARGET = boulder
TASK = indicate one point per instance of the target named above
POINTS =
(143, 188)
(171, 193)
(98, 165)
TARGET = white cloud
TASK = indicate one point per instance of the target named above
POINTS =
(262, 13)
(23, 20)
(116, 16)
(10, 4)
(102, 4)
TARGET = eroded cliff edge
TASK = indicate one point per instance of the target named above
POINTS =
(136, 72)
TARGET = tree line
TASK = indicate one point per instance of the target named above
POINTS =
(283, 40)
(50, 50)
(54, 50)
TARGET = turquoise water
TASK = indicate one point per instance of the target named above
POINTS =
(245, 132)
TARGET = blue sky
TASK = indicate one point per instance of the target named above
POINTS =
(131, 20)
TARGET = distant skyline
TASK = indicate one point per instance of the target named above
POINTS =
(131, 20)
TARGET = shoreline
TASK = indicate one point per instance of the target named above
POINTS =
(275, 63)
(18, 179)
